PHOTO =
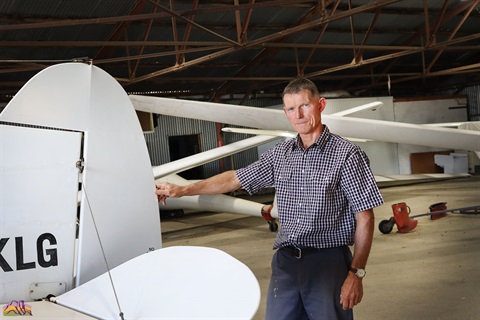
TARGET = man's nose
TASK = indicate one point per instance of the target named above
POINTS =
(298, 113)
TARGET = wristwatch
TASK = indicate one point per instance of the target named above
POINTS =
(360, 273)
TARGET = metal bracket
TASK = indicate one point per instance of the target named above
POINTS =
(80, 165)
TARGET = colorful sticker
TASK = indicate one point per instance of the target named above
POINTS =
(17, 308)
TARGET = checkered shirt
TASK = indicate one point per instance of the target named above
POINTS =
(319, 190)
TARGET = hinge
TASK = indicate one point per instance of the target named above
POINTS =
(80, 165)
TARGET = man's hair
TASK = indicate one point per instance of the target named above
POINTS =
(299, 84)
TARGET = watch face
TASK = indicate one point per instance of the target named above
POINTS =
(360, 273)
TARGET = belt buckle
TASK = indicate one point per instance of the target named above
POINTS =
(297, 253)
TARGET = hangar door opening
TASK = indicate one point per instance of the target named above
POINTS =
(184, 146)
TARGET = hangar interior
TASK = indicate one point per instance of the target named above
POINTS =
(244, 52)
(420, 58)
(248, 49)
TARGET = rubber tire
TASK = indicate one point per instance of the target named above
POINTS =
(385, 227)
(272, 226)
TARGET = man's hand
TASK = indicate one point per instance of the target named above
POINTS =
(167, 190)
(352, 291)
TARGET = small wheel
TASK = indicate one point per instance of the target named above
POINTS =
(272, 226)
(386, 226)
(175, 213)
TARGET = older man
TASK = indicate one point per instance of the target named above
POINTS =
(326, 193)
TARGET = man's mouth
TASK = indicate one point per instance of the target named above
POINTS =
(301, 123)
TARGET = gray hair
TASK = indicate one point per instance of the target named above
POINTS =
(299, 84)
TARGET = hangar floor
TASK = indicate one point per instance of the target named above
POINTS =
(433, 272)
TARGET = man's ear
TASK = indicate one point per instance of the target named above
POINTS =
(322, 103)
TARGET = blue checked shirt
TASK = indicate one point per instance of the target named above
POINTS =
(319, 190)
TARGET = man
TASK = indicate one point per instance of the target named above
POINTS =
(325, 194)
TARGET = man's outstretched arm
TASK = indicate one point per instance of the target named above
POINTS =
(220, 183)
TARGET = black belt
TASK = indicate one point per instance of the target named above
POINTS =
(299, 252)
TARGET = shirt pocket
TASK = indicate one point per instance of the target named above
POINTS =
(324, 182)
(284, 183)
(285, 173)
(284, 187)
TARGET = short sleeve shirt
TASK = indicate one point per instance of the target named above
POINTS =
(319, 189)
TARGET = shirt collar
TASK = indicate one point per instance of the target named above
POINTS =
(319, 143)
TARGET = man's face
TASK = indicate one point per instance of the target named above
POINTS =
(303, 111)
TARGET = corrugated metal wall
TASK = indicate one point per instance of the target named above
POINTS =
(473, 94)
(157, 142)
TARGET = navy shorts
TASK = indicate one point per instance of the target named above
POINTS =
(308, 287)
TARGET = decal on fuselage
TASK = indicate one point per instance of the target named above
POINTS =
(17, 308)
(47, 255)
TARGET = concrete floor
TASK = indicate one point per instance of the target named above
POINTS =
(433, 272)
